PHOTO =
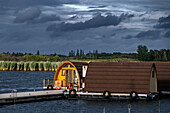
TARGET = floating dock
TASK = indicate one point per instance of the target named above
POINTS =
(21, 97)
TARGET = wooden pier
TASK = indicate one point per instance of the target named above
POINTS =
(21, 97)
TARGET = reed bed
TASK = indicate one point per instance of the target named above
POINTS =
(28, 66)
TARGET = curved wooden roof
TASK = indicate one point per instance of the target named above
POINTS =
(122, 77)
(163, 75)
(79, 65)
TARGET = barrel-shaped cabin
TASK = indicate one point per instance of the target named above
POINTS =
(113, 77)
(163, 75)
(121, 77)
(69, 73)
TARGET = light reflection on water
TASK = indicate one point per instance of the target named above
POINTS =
(24, 81)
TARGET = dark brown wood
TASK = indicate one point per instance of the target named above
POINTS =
(163, 75)
(118, 77)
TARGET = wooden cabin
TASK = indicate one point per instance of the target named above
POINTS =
(163, 74)
(121, 77)
(115, 77)
(70, 72)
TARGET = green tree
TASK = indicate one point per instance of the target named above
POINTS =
(38, 52)
(77, 54)
(143, 54)
(81, 53)
(71, 53)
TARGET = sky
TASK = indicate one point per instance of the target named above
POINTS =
(58, 26)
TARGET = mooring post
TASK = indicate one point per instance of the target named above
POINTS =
(104, 110)
(159, 106)
(129, 108)
(14, 91)
(43, 82)
(48, 81)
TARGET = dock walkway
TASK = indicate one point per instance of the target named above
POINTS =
(20, 97)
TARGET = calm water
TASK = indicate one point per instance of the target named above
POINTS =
(24, 81)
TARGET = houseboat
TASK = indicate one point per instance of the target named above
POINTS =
(109, 79)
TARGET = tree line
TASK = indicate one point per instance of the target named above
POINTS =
(143, 54)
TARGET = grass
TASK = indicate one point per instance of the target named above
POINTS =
(109, 60)
(41, 66)
(13, 66)
(34, 66)
(26, 66)
(49, 66)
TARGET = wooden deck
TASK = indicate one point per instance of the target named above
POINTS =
(20, 97)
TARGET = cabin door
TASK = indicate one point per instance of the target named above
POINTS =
(153, 81)
(71, 77)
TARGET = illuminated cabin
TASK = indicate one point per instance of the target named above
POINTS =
(70, 72)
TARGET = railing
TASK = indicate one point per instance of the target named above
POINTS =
(44, 83)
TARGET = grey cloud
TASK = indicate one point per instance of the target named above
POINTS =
(164, 25)
(150, 34)
(164, 22)
(46, 19)
(27, 3)
(128, 37)
(102, 6)
(164, 19)
(167, 34)
(51, 27)
(97, 21)
(28, 15)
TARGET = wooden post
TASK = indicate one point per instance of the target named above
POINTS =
(43, 82)
(129, 108)
(72, 72)
(159, 106)
(48, 82)
(68, 77)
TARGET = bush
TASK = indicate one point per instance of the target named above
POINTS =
(5, 66)
(26, 66)
(13, 66)
(1, 68)
(34, 66)
(22, 66)
(41, 67)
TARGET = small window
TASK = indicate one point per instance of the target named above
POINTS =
(63, 72)
(153, 74)
(71, 65)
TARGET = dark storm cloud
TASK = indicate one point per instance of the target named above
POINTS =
(27, 3)
(28, 15)
(46, 19)
(150, 34)
(96, 21)
(51, 27)
(147, 35)
(164, 25)
(164, 22)
(167, 34)
(128, 37)
(164, 19)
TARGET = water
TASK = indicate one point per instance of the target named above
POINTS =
(24, 81)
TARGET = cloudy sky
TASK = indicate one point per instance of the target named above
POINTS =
(58, 26)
